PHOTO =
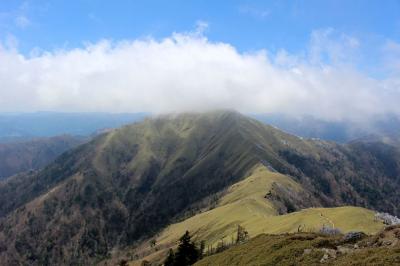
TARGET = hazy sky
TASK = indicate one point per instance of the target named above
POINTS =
(330, 59)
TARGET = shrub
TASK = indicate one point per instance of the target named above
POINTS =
(327, 230)
(387, 218)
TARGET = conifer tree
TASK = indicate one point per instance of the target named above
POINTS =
(187, 253)
(170, 260)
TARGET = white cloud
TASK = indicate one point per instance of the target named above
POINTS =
(94, 18)
(188, 72)
(328, 46)
(201, 27)
(22, 21)
(258, 13)
(392, 56)
(16, 18)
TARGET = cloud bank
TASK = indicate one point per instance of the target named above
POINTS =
(186, 72)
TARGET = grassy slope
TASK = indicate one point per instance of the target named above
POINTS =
(244, 204)
(289, 249)
(267, 250)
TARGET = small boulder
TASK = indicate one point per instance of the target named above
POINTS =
(352, 237)
(344, 250)
(307, 251)
(331, 252)
(324, 258)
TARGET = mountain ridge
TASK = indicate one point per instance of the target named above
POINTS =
(135, 180)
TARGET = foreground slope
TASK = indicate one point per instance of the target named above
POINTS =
(129, 184)
(248, 204)
(312, 249)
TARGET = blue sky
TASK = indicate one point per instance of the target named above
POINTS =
(248, 25)
(331, 59)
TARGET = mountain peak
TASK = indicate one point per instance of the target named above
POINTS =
(128, 184)
(219, 113)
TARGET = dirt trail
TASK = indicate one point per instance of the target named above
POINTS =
(327, 219)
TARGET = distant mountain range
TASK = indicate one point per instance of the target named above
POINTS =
(130, 184)
(30, 141)
(23, 126)
(340, 131)
(21, 156)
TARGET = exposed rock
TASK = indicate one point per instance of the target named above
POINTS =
(352, 237)
(307, 251)
(324, 258)
(329, 254)
(344, 250)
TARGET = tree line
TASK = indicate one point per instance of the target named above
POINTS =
(188, 253)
